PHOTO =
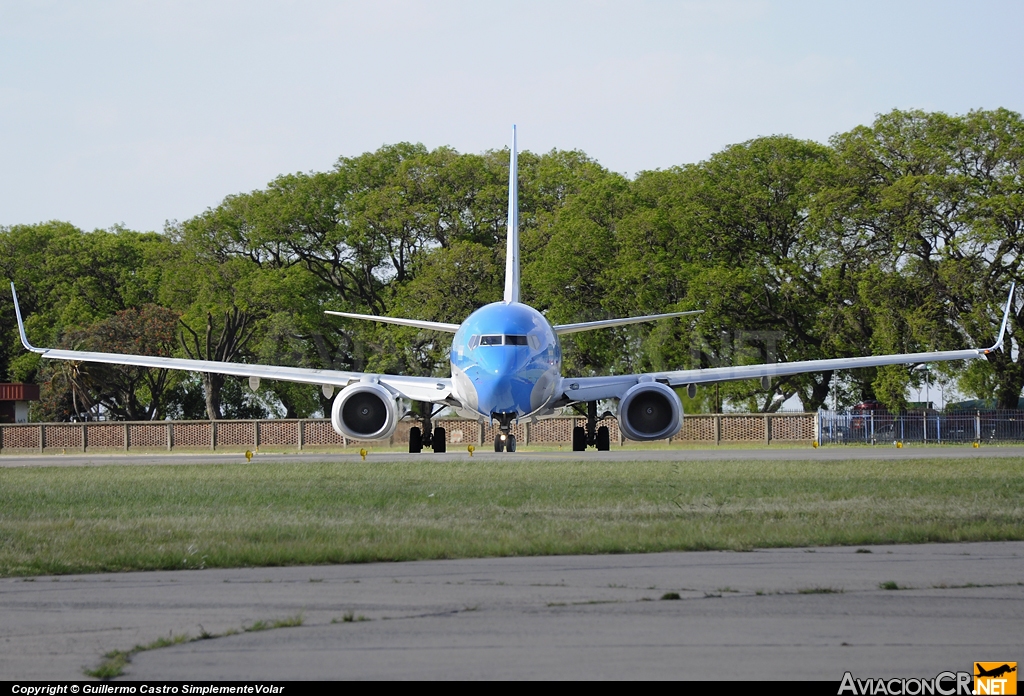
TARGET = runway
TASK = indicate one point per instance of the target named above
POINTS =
(769, 614)
(806, 453)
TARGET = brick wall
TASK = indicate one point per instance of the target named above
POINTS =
(285, 435)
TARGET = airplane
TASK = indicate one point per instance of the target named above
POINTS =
(506, 368)
(995, 671)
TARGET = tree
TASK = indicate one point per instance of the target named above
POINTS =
(68, 278)
(734, 236)
(84, 390)
(222, 344)
(572, 279)
(943, 198)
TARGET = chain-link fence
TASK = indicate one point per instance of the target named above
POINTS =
(882, 427)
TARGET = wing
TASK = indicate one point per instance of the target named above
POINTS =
(431, 325)
(594, 388)
(561, 329)
(431, 389)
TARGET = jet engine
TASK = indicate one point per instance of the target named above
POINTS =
(365, 411)
(650, 411)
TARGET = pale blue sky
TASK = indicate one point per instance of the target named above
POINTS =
(140, 112)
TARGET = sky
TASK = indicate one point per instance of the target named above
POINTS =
(137, 113)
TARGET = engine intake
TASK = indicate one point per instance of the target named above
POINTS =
(365, 411)
(650, 411)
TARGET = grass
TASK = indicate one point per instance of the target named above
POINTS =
(820, 590)
(114, 662)
(56, 520)
(276, 623)
(349, 617)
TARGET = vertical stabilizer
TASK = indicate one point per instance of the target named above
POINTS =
(512, 250)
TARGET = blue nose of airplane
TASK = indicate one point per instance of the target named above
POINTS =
(498, 386)
(495, 395)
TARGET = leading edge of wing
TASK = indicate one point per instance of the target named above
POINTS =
(433, 389)
(680, 378)
(721, 374)
(593, 388)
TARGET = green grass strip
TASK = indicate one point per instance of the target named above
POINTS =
(114, 662)
(115, 518)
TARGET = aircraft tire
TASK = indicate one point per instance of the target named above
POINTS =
(499, 446)
(604, 439)
(415, 440)
(510, 444)
(579, 439)
(440, 445)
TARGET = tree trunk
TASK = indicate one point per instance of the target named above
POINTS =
(235, 333)
(1010, 378)
(819, 392)
(212, 384)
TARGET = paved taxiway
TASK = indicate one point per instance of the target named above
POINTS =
(831, 453)
(768, 614)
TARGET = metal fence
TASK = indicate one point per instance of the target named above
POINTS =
(879, 427)
(317, 434)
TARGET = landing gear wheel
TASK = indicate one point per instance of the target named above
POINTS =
(439, 443)
(499, 444)
(604, 439)
(415, 440)
(579, 439)
(510, 444)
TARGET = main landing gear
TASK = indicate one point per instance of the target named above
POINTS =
(428, 437)
(591, 435)
(504, 441)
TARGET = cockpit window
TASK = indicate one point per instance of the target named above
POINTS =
(498, 340)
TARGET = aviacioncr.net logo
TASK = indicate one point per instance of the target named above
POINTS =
(943, 684)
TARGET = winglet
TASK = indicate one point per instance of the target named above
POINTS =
(1006, 317)
(21, 324)
(512, 249)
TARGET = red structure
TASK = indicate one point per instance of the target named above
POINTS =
(14, 400)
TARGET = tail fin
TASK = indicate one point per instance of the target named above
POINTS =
(512, 250)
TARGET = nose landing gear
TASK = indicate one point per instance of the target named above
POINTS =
(504, 441)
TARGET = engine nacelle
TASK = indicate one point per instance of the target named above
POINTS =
(365, 411)
(650, 411)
